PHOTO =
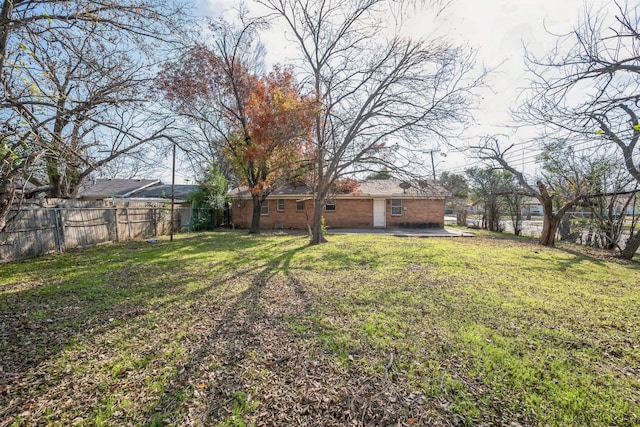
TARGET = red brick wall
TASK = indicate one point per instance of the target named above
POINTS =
(356, 213)
(290, 218)
(417, 213)
(349, 213)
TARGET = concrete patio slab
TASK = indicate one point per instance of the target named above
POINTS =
(403, 232)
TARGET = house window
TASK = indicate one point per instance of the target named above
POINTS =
(264, 209)
(330, 206)
(280, 205)
(396, 207)
(299, 205)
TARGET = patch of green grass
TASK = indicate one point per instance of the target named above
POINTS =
(494, 329)
(525, 324)
(242, 405)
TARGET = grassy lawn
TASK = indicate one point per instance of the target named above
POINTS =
(229, 329)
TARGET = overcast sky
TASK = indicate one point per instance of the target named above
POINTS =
(498, 29)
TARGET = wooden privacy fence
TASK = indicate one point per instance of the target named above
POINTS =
(36, 231)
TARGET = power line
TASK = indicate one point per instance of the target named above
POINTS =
(531, 158)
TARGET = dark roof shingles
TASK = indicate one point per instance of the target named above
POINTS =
(112, 187)
(372, 188)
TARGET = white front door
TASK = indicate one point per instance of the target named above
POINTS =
(379, 213)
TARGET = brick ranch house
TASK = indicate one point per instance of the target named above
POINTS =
(374, 204)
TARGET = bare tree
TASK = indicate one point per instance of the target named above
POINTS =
(514, 203)
(379, 94)
(139, 163)
(74, 79)
(566, 182)
(489, 185)
(590, 91)
(614, 193)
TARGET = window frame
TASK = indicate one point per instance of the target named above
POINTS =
(328, 203)
(396, 207)
(300, 206)
(280, 205)
(264, 209)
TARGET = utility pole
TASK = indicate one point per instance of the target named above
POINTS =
(433, 164)
(173, 190)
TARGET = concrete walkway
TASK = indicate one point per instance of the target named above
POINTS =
(402, 232)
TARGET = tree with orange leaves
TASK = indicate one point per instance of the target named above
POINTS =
(262, 121)
(269, 151)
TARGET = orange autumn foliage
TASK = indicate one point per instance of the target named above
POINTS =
(278, 126)
(264, 120)
(346, 186)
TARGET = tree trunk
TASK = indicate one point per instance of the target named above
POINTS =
(317, 235)
(492, 211)
(549, 229)
(550, 221)
(491, 226)
(6, 199)
(632, 246)
(54, 177)
(255, 218)
(5, 15)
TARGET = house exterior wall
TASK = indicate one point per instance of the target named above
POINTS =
(349, 213)
(417, 213)
(242, 212)
(356, 213)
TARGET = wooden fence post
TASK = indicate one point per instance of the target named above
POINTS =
(56, 229)
(115, 223)
(128, 220)
(61, 227)
(155, 221)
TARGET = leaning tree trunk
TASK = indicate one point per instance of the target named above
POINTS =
(632, 246)
(255, 218)
(551, 221)
(549, 229)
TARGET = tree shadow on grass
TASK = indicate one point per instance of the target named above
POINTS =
(83, 300)
(252, 366)
(581, 253)
(239, 330)
(597, 256)
(170, 343)
(39, 324)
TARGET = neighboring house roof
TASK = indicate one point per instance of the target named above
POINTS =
(133, 189)
(105, 188)
(375, 188)
(164, 191)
